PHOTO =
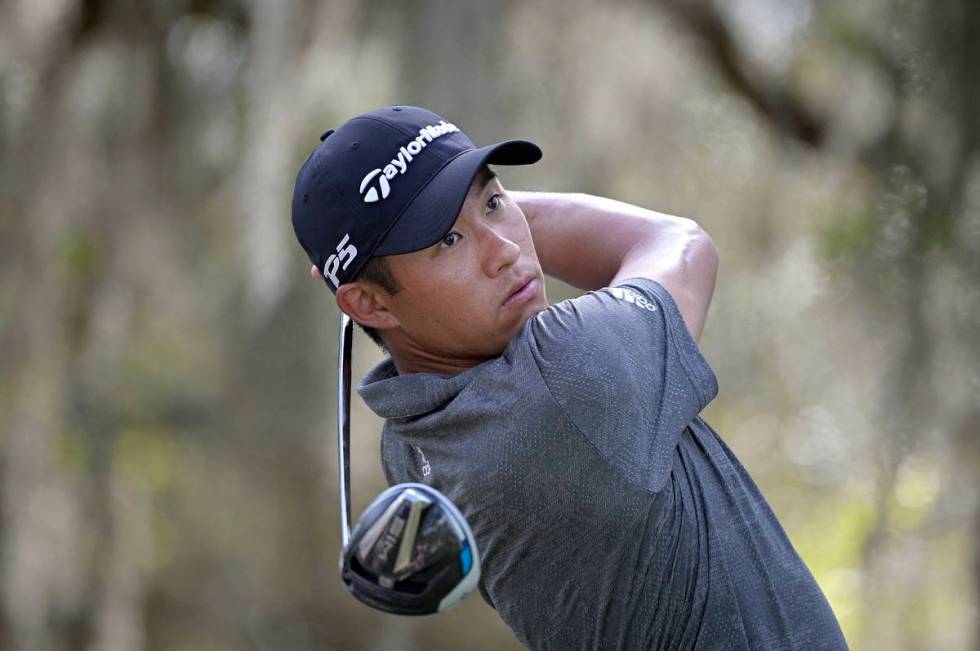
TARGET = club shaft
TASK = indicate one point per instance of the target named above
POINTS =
(343, 422)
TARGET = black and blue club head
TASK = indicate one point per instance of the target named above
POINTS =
(411, 553)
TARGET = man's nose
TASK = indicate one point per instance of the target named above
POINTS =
(499, 252)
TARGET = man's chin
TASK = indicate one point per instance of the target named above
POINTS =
(531, 310)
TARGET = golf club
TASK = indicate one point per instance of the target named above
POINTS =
(411, 552)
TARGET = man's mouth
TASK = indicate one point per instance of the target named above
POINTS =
(523, 292)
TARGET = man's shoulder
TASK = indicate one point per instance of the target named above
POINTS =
(596, 330)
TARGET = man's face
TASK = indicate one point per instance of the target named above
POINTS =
(468, 295)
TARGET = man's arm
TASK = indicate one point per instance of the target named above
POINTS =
(591, 242)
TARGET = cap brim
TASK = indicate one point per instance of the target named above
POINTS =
(434, 210)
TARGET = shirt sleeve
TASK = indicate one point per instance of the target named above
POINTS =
(621, 363)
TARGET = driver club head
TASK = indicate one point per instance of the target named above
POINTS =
(411, 553)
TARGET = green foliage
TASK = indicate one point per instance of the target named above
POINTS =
(831, 542)
(845, 240)
(146, 456)
(77, 251)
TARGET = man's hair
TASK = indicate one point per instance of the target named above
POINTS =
(378, 272)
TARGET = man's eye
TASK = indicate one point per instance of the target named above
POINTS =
(450, 239)
(493, 202)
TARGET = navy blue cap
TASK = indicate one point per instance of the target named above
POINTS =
(386, 182)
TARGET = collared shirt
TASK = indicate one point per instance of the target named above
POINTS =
(608, 513)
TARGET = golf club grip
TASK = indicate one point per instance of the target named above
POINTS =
(343, 422)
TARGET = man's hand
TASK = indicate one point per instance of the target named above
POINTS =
(591, 242)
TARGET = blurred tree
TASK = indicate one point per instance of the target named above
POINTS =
(166, 365)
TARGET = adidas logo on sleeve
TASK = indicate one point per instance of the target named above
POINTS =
(635, 298)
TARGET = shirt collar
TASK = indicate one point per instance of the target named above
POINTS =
(391, 395)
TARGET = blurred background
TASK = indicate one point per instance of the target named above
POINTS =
(167, 457)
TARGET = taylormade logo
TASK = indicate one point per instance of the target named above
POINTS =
(375, 185)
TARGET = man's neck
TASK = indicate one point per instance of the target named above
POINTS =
(408, 360)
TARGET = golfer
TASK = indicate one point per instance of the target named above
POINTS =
(608, 513)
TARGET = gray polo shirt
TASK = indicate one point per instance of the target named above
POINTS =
(608, 514)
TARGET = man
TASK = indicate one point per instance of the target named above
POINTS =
(608, 514)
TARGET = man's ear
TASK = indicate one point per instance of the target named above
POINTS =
(366, 305)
